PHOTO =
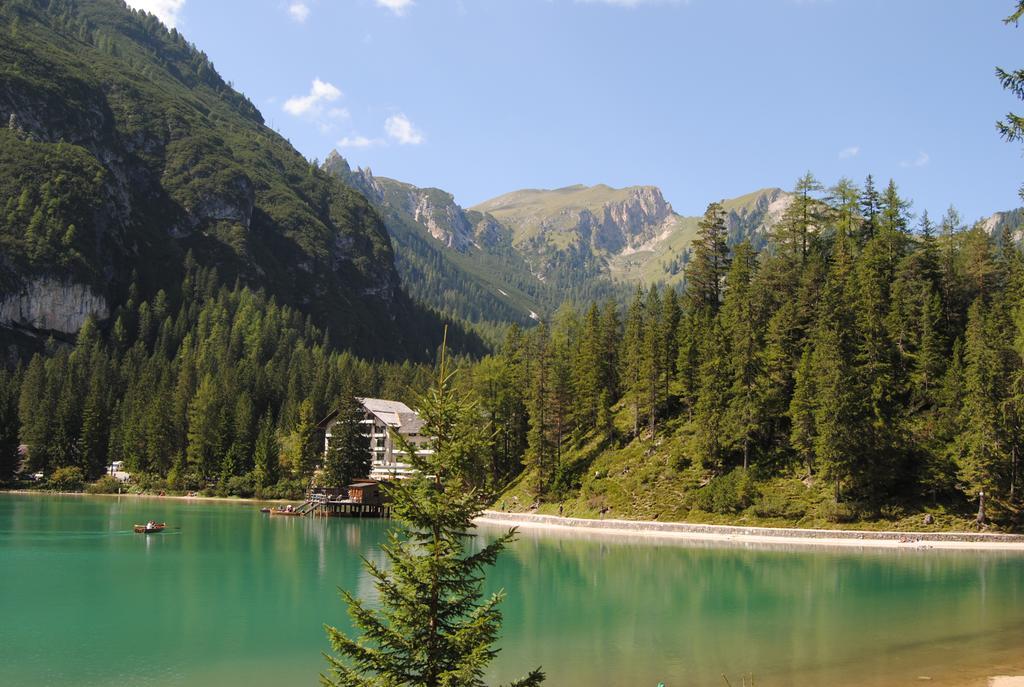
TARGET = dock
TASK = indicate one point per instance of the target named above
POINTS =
(359, 500)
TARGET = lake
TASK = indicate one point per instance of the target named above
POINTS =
(235, 597)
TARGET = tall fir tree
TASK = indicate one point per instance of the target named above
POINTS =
(266, 453)
(710, 263)
(348, 448)
(9, 457)
(433, 627)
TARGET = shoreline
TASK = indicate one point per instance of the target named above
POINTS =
(733, 534)
(176, 497)
(677, 531)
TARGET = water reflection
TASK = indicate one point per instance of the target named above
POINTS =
(237, 597)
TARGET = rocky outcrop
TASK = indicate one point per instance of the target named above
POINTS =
(443, 218)
(754, 219)
(626, 223)
(435, 210)
(52, 305)
(1010, 220)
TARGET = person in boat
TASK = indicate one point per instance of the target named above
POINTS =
(150, 525)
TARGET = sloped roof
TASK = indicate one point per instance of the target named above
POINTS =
(410, 423)
(388, 412)
(380, 405)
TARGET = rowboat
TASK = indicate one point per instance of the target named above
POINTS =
(150, 529)
(283, 511)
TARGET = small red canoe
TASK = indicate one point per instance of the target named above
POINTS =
(150, 529)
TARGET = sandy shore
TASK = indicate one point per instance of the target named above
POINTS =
(759, 535)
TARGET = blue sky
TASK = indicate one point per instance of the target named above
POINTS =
(707, 99)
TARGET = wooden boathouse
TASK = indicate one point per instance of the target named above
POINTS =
(363, 499)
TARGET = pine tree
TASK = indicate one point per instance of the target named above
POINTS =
(587, 370)
(93, 438)
(708, 443)
(631, 357)
(794, 234)
(348, 449)
(980, 444)
(802, 436)
(1012, 127)
(741, 319)
(869, 210)
(653, 367)
(433, 627)
(710, 261)
(837, 409)
(266, 453)
(36, 411)
(9, 384)
(203, 430)
(844, 201)
(540, 452)
(309, 440)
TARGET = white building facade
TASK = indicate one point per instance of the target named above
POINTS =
(381, 420)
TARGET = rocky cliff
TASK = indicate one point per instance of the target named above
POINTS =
(434, 209)
(51, 305)
(124, 153)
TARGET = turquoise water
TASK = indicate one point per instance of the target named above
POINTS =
(236, 598)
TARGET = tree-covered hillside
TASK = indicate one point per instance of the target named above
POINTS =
(123, 149)
(222, 391)
(853, 369)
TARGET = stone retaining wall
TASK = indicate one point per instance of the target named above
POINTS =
(727, 530)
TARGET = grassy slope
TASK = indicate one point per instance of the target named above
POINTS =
(636, 482)
(523, 211)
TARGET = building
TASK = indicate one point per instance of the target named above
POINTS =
(381, 420)
(367, 493)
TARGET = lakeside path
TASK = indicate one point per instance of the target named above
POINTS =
(731, 534)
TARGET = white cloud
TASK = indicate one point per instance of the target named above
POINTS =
(299, 11)
(165, 10)
(920, 161)
(358, 142)
(397, 6)
(399, 128)
(311, 104)
(852, 151)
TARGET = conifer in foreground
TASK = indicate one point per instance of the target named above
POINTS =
(433, 627)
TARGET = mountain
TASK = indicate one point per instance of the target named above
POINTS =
(125, 156)
(1013, 220)
(577, 233)
(458, 261)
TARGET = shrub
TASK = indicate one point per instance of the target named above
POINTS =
(148, 483)
(243, 485)
(104, 485)
(285, 489)
(67, 479)
(779, 506)
(837, 512)
(729, 493)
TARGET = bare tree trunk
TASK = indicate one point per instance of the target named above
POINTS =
(981, 507)
(1013, 473)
